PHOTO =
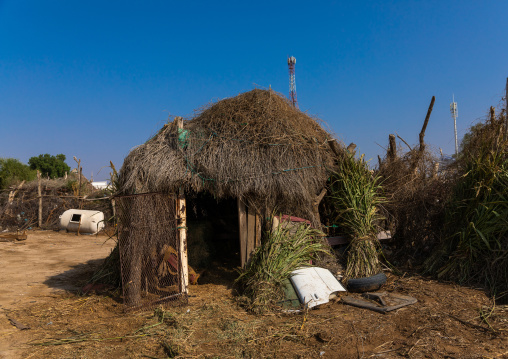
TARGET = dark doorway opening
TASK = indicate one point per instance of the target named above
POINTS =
(213, 246)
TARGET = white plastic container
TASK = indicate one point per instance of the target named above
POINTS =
(85, 221)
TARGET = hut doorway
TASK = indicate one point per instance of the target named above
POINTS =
(213, 235)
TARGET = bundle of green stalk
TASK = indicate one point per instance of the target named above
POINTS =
(283, 251)
(474, 248)
(355, 196)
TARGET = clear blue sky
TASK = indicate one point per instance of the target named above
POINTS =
(93, 79)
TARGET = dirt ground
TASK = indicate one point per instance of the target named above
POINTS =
(41, 279)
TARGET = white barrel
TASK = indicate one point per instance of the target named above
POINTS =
(86, 221)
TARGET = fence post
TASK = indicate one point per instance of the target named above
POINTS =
(39, 192)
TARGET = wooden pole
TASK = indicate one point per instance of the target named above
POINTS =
(421, 150)
(182, 244)
(425, 123)
(182, 233)
(392, 150)
(39, 192)
(79, 193)
(79, 174)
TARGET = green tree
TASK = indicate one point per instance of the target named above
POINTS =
(52, 166)
(13, 171)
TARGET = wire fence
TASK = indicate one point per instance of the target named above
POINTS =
(150, 255)
(26, 210)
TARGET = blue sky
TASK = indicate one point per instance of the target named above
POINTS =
(94, 79)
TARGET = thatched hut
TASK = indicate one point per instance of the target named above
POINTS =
(255, 149)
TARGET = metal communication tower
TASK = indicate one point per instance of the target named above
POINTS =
(455, 114)
(292, 84)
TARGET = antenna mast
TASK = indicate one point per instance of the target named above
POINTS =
(455, 114)
(292, 84)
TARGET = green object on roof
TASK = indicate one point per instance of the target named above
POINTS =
(182, 137)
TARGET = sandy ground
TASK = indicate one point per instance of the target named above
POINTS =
(41, 268)
(42, 276)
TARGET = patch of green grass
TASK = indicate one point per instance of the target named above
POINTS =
(283, 251)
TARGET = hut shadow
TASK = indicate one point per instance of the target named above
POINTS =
(78, 276)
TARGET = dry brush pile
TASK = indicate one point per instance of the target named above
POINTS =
(416, 190)
(452, 221)
(474, 244)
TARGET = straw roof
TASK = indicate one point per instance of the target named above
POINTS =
(255, 146)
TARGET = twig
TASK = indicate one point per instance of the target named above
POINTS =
(80, 340)
(400, 138)
(415, 344)
(472, 325)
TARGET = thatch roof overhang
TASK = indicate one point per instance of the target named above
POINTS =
(255, 146)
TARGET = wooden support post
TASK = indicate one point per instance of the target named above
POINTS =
(182, 244)
(242, 225)
(39, 192)
(182, 233)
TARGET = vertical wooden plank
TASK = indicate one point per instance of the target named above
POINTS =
(39, 193)
(251, 232)
(258, 231)
(242, 226)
